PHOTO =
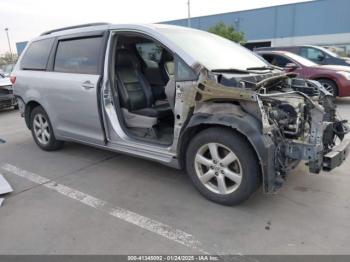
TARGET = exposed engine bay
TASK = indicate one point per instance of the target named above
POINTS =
(298, 115)
(301, 117)
(307, 126)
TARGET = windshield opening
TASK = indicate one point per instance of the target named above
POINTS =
(212, 51)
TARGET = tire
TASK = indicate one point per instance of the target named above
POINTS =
(42, 131)
(15, 105)
(245, 166)
(330, 86)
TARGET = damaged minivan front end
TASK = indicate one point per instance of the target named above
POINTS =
(182, 97)
(286, 120)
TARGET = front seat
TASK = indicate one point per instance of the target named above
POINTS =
(136, 96)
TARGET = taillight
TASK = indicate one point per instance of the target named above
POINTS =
(13, 79)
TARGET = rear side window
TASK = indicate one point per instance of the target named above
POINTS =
(311, 53)
(37, 55)
(80, 56)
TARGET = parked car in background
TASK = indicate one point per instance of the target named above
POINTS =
(7, 99)
(335, 79)
(316, 54)
(6, 70)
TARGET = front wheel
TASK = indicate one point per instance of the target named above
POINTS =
(223, 166)
(330, 86)
(42, 131)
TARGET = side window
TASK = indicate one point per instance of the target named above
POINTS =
(268, 58)
(311, 53)
(278, 60)
(151, 53)
(184, 72)
(37, 55)
(80, 56)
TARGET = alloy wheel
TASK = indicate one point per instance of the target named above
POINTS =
(328, 87)
(218, 168)
(41, 129)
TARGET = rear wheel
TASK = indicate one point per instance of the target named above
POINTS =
(330, 86)
(223, 166)
(42, 131)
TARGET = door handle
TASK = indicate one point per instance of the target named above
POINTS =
(88, 85)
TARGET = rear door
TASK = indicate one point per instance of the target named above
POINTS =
(73, 86)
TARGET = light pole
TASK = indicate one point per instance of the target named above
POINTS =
(189, 13)
(8, 40)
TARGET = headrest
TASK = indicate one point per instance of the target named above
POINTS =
(166, 56)
(126, 58)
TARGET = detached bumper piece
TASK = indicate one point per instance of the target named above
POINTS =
(7, 99)
(5, 103)
(337, 156)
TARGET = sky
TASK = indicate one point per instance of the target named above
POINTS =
(26, 19)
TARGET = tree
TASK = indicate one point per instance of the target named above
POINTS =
(227, 31)
(7, 58)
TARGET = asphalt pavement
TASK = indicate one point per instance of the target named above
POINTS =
(83, 200)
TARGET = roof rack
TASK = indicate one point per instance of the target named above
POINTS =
(72, 27)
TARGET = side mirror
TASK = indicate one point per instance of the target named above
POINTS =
(291, 67)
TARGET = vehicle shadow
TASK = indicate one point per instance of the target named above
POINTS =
(7, 110)
(166, 178)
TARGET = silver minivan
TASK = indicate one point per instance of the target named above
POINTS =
(183, 97)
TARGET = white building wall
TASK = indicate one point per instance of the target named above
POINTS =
(341, 41)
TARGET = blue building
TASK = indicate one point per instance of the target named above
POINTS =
(318, 22)
(20, 47)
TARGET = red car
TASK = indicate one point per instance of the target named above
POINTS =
(335, 78)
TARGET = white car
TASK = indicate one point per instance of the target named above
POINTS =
(7, 99)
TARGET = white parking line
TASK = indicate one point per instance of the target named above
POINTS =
(123, 214)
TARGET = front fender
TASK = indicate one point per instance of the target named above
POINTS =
(249, 127)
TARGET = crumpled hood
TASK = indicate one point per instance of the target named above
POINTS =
(235, 80)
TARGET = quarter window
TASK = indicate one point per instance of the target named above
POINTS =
(37, 55)
(184, 72)
(80, 56)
